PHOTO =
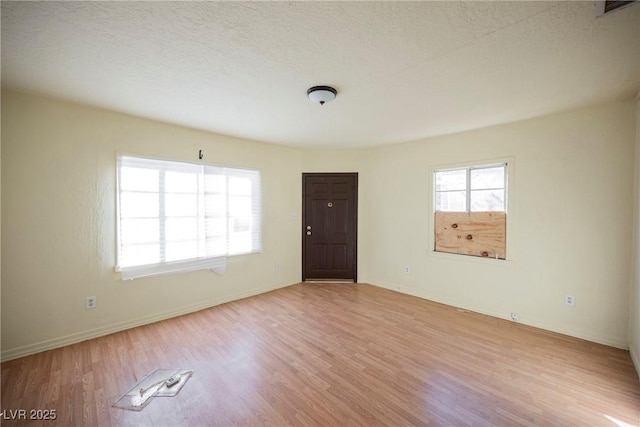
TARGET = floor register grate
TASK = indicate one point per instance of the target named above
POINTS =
(161, 382)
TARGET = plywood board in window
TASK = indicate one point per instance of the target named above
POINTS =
(480, 234)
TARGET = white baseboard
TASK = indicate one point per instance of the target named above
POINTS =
(635, 360)
(30, 349)
(617, 342)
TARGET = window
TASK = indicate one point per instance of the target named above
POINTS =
(470, 211)
(474, 189)
(178, 216)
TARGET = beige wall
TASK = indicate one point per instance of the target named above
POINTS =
(333, 160)
(58, 223)
(570, 219)
(569, 232)
(0, 217)
(634, 300)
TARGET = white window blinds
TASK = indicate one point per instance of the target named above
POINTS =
(177, 216)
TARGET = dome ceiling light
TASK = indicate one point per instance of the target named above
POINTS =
(322, 94)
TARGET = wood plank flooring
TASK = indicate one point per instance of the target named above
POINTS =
(333, 354)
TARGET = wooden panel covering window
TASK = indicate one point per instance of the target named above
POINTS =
(480, 234)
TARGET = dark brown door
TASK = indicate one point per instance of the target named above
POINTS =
(329, 226)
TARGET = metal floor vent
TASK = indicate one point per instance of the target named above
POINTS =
(160, 382)
(607, 6)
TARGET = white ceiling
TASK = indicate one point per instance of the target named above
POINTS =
(403, 70)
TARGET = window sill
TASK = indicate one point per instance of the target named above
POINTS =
(471, 258)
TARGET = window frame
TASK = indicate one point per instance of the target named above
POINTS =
(510, 209)
(201, 170)
(468, 190)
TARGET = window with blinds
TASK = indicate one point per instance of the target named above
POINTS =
(178, 216)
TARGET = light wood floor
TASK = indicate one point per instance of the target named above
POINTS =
(334, 354)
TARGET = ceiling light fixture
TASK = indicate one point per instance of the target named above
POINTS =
(322, 94)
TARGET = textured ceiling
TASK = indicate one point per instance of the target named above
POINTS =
(403, 70)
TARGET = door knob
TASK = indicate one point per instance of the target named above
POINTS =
(308, 227)
(308, 233)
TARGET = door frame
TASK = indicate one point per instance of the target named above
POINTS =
(355, 218)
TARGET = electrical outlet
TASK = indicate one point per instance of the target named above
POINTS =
(89, 303)
(407, 270)
(277, 266)
(569, 300)
(514, 317)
